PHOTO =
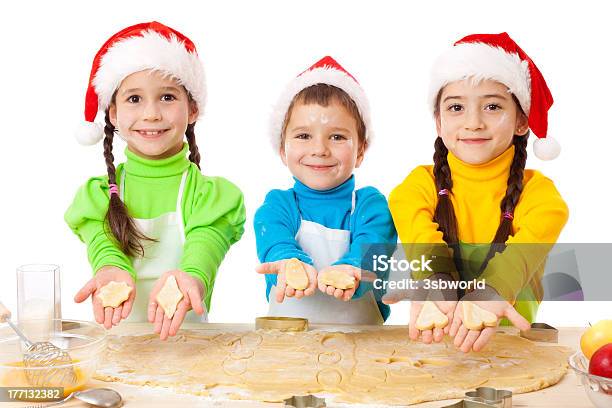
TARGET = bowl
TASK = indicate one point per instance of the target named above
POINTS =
(598, 389)
(83, 341)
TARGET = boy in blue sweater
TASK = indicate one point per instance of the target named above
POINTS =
(321, 128)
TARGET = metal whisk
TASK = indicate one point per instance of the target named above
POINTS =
(46, 364)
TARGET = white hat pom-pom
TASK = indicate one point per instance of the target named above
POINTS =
(89, 133)
(546, 148)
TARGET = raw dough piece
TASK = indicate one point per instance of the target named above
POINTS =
(431, 317)
(337, 279)
(476, 318)
(114, 293)
(295, 274)
(169, 296)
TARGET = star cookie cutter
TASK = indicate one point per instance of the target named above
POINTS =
(541, 332)
(493, 397)
(305, 401)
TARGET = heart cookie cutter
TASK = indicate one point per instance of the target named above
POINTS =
(541, 332)
(493, 397)
(305, 401)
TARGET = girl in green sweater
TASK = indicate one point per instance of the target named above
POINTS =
(155, 215)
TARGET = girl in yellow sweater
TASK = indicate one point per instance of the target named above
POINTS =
(478, 200)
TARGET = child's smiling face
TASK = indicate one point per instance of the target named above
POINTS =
(321, 146)
(477, 121)
(152, 111)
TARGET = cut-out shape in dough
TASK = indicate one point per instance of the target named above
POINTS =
(329, 357)
(250, 340)
(234, 367)
(337, 279)
(329, 378)
(431, 317)
(434, 362)
(334, 339)
(295, 274)
(169, 296)
(476, 318)
(241, 354)
(114, 293)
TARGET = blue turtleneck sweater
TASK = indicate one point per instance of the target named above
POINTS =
(278, 220)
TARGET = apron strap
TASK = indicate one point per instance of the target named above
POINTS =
(179, 207)
(352, 209)
(122, 184)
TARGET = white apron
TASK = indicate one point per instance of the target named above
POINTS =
(325, 246)
(159, 257)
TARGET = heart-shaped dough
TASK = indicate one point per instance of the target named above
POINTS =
(169, 296)
(337, 279)
(431, 317)
(476, 318)
(295, 274)
(114, 293)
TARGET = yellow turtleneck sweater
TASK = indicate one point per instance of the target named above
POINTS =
(477, 192)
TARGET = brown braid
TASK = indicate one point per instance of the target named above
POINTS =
(121, 225)
(194, 153)
(513, 193)
(444, 214)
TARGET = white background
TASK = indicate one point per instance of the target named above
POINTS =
(250, 50)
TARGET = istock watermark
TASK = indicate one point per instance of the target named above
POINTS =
(428, 284)
(525, 271)
(385, 263)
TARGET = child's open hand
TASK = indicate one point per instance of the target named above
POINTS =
(436, 334)
(109, 316)
(349, 270)
(282, 289)
(489, 300)
(444, 299)
(193, 292)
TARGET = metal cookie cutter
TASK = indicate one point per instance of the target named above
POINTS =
(491, 396)
(292, 324)
(469, 404)
(305, 401)
(541, 332)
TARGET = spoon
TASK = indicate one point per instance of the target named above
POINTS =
(99, 397)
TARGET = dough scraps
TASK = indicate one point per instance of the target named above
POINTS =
(114, 293)
(380, 366)
(169, 296)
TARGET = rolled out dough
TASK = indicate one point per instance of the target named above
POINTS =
(380, 366)
(114, 293)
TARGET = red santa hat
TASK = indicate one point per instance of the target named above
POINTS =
(498, 57)
(325, 71)
(137, 48)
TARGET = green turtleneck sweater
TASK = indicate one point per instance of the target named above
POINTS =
(213, 213)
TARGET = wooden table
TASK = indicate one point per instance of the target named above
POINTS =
(568, 393)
